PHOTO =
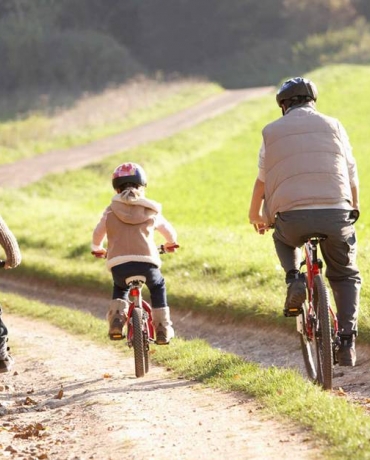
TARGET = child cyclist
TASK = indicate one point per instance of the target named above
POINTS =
(128, 224)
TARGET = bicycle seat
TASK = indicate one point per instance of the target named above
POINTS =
(132, 279)
(318, 236)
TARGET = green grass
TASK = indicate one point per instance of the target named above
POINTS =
(204, 178)
(337, 426)
(208, 172)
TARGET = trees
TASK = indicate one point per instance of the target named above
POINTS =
(69, 42)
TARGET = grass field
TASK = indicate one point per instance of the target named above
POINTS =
(208, 173)
(204, 178)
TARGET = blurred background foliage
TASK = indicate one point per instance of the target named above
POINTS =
(49, 47)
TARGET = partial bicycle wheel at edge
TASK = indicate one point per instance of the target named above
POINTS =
(323, 334)
(138, 342)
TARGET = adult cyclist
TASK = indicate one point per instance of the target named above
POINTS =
(308, 183)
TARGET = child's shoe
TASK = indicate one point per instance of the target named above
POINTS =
(117, 316)
(163, 325)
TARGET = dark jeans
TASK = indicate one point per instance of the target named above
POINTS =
(292, 228)
(154, 281)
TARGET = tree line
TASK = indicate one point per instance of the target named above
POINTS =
(88, 44)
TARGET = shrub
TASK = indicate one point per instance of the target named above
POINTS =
(35, 55)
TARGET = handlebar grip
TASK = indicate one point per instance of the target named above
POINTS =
(2, 263)
(99, 255)
(163, 250)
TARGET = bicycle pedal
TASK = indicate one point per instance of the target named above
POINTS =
(292, 312)
(116, 336)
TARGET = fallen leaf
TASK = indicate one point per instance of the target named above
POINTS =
(29, 402)
(341, 392)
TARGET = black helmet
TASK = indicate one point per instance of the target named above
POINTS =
(296, 88)
(128, 173)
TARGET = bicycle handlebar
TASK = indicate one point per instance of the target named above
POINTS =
(161, 249)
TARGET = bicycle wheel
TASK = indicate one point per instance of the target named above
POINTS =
(138, 342)
(323, 337)
(308, 344)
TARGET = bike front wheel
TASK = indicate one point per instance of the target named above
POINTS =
(308, 344)
(138, 342)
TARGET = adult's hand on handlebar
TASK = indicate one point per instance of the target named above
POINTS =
(100, 254)
(259, 225)
(261, 228)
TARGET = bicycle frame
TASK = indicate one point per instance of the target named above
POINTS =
(137, 301)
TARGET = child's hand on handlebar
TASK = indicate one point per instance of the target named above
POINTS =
(170, 247)
(100, 253)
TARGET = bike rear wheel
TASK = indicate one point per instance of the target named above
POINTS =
(322, 335)
(138, 342)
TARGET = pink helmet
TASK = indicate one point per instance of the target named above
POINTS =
(128, 172)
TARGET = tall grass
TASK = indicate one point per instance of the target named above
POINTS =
(204, 179)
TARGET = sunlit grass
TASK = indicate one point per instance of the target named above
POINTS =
(204, 178)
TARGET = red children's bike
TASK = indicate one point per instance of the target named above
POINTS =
(140, 333)
(140, 329)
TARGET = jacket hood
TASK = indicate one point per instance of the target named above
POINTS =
(134, 210)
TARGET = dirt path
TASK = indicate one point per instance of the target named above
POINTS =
(30, 170)
(193, 425)
(69, 399)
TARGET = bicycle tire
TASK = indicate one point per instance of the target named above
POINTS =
(138, 342)
(323, 336)
(146, 354)
(146, 344)
(308, 346)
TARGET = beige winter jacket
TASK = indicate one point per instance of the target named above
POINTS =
(305, 162)
(129, 225)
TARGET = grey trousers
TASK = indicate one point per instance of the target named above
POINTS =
(292, 228)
